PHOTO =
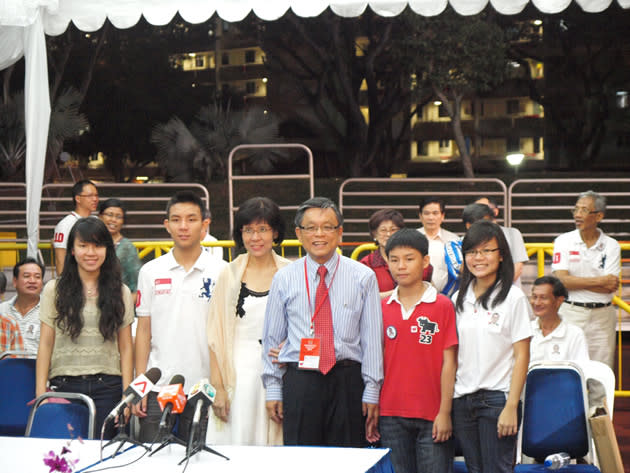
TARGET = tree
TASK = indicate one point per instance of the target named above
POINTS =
(454, 57)
(66, 122)
(199, 152)
(585, 63)
(328, 71)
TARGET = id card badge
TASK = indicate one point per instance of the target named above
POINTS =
(309, 354)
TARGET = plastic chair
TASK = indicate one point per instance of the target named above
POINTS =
(51, 420)
(555, 416)
(17, 388)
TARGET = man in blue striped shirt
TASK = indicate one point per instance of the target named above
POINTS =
(340, 407)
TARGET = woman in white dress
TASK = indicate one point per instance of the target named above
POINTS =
(235, 322)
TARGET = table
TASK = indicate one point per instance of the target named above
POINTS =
(26, 454)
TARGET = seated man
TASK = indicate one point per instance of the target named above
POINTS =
(23, 308)
(554, 339)
(10, 336)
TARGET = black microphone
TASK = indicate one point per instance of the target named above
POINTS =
(201, 396)
(171, 399)
(138, 388)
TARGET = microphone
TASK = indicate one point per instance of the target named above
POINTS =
(171, 399)
(201, 396)
(137, 389)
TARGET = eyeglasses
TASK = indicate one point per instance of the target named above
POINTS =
(89, 196)
(251, 231)
(387, 231)
(484, 252)
(583, 211)
(312, 229)
(114, 216)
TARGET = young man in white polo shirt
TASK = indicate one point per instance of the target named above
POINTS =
(554, 339)
(85, 199)
(174, 293)
(587, 261)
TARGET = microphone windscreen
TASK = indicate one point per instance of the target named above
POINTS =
(153, 375)
(177, 379)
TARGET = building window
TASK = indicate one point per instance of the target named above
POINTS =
(513, 144)
(536, 144)
(225, 59)
(199, 61)
(250, 87)
(442, 111)
(445, 143)
(512, 107)
(250, 56)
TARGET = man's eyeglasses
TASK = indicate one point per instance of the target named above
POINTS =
(312, 229)
(583, 211)
(89, 196)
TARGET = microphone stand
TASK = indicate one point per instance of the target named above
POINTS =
(122, 437)
(169, 438)
(196, 445)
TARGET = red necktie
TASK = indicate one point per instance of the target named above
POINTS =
(323, 324)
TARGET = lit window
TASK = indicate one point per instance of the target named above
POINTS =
(250, 56)
(250, 87)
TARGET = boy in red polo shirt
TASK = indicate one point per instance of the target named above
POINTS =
(420, 361)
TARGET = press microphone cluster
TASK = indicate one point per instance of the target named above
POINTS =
(137, 389)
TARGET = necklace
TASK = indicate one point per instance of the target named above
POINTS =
(91, 291)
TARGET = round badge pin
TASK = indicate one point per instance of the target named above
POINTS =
(391, 332)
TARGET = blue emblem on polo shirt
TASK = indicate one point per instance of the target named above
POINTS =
(206, 290)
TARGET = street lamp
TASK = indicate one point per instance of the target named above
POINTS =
(515, 160)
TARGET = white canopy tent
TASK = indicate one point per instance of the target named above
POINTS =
(23, 24)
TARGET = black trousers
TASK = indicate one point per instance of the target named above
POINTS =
(324, 410)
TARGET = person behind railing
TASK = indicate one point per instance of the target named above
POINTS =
(86, 316)
(85, 200)
(235, 322)
(493, 324)
(587, 261)
(382, 225)
(513, 237)
(432, 213)
(28, 280)
(215, 251)
(113, 213)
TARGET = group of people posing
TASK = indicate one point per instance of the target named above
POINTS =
(424, 342)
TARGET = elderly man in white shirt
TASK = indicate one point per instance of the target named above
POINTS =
(554, 339)
(588, 263)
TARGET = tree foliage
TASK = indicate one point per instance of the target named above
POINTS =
(453, 57)
(585, 62)
(199, 152)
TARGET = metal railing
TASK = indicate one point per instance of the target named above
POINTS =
(540, 208)
(310, 176)
(360, 197)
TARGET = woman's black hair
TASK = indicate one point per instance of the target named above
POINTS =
(479, 233)
(113, 202)
(258, 209)
(69, 298)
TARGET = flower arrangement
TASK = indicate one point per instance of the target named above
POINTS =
(61, 462)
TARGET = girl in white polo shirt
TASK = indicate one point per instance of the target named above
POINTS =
(494, 334)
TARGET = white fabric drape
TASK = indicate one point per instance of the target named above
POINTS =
(24, 22)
